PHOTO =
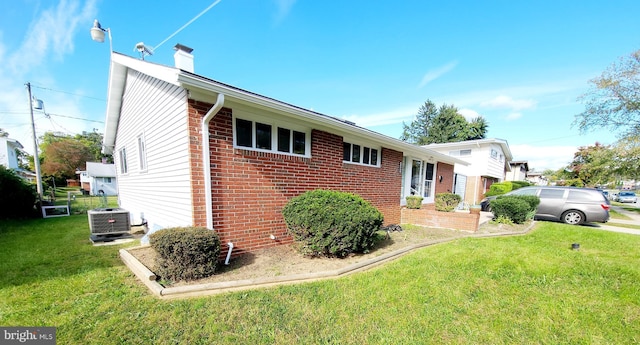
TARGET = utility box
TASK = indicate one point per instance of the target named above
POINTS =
(107, 223)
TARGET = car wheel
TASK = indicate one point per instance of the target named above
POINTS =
(573, 217)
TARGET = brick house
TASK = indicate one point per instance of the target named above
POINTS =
(192, 151)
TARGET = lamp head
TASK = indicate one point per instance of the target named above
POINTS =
(97, 32)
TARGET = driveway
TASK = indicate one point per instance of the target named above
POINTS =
(635, 220)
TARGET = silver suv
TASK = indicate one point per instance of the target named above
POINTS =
(571, 205)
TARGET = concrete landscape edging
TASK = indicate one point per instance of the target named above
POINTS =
(148, 278)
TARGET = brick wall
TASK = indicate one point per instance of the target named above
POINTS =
(446, 171)
(432, 218)
(250, 188)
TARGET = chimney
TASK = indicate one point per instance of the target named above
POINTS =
(183, 57)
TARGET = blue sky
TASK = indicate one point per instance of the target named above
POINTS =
(520, 64)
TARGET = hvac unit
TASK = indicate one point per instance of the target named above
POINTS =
(108, 221)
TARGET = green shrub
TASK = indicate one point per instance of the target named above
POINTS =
(17, 197)
(499, 188)
(447, 202)
(332, 223)
(520, 184)
(512, 207)
(414, 201)
(185, 253)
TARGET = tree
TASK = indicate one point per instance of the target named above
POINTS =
(63, 157)
(626, 153)
(442, 125)
(613, 101)
(18, 196)
(593, 165)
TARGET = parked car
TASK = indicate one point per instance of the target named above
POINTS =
(626, 196)
(571, 205)
(605, 193)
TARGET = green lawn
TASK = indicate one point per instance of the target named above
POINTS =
(529, 289)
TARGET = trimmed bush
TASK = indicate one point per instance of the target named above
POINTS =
(447, 202)
(185, 253)
(17, 196)
(332, 223)
(499, 188)
(414, 201)
(512, 207)
(520, 184)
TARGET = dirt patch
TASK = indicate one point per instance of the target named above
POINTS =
(285, 260)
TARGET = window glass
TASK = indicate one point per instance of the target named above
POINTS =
(365, 155)
(577, 195)
(465, 152)
(525, 191)
(374, 157)
(123, 161)
(243, 133)
(299, 143)
(355, 157)
(263, 136)
(549, 193)
(346, 152)
(284, 139)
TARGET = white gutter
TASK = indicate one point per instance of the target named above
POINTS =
(206, 159)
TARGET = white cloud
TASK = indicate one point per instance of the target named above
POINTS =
(540, 158)
(437, 73)
(506, 102)
(513, 116)
(49, 36)
(468, 114)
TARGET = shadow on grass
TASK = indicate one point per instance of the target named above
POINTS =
(41, 249)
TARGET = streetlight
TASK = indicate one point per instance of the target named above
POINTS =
(36, 159)
(97, 33)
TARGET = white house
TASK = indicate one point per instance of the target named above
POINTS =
(519, 171)
(8, 152)
(99, 179)
(488, 163)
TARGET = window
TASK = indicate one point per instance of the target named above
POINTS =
(142, 153)
(465, 152)
(106, 179)
(123, 160)
(269, 137)
(549, 193)
(354, 153)
(494, 154)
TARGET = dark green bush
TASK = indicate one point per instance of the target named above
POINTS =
(447, 202)
(185, 253)
(17, 196)
(332, 223)
(512, 207)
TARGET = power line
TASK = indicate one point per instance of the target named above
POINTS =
(76, 118)
(67, 92)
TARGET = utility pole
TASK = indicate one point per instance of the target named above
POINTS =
(36, 159)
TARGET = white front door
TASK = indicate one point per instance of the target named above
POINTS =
(419, 179)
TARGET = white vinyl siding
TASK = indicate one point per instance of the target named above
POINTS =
(159, 187)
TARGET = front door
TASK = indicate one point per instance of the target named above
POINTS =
(421, 179)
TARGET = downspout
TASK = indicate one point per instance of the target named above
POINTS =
(206, 159)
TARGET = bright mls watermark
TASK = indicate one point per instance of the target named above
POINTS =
(28, 335)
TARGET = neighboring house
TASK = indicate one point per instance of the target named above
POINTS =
(192, 151)
(519, 170)
(9, 158)
(537, 178)
(488, 162)
(8, 152)
(99, 179)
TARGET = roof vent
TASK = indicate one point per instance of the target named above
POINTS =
(183, 57)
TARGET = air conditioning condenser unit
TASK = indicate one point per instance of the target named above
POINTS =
(107, 223)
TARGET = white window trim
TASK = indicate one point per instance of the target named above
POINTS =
(275, 124)
(362, 145)
(122, 159)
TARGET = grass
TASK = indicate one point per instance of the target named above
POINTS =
(529, 289)
(81, 203)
